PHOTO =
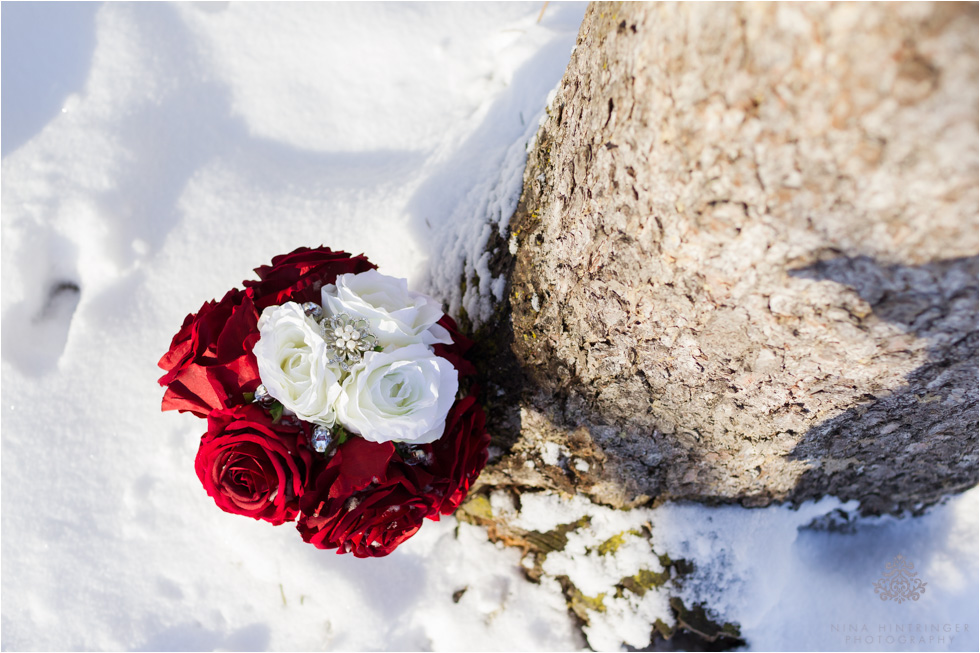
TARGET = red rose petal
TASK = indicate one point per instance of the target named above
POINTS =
(360, 463)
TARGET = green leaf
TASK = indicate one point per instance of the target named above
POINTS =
(378, 348)
(276, 412)
(249, 397)
(341, 435)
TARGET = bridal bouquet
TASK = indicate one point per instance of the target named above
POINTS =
(335, 397)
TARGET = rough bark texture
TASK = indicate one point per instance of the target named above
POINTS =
(745, 259)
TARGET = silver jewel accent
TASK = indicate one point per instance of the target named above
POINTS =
(320, 438)
(262, 397)
(312, 309)
(415, 457)
(347, 339)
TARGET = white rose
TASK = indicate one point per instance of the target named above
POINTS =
(403, 395)
(398, 316)
(292, 359)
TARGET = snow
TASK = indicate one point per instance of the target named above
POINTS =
(789, 582)
(152, 155)
(791, 587)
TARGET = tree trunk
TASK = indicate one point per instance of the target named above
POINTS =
(745, 260)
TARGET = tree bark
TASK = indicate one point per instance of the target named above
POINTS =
(744, 264)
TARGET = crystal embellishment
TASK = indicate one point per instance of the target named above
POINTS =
(320, 438)
(313, 310)
(263, 398)
(416, 457)
(413, 455)
(347, 339)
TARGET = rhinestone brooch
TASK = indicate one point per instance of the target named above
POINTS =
(347, 339)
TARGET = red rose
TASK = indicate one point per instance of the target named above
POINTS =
(365, 501)
(460, 454)
(368, 524)
(299, 275)
(210, 363)
(455, 352)
(252, 467)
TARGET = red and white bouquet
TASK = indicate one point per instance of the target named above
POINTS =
(335, 397)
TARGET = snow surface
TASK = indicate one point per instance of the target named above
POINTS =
(789, 584)
(794, 588)
(152, 155)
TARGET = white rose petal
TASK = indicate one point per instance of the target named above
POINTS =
(403, 395)
(292, 355)
(398, 316)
